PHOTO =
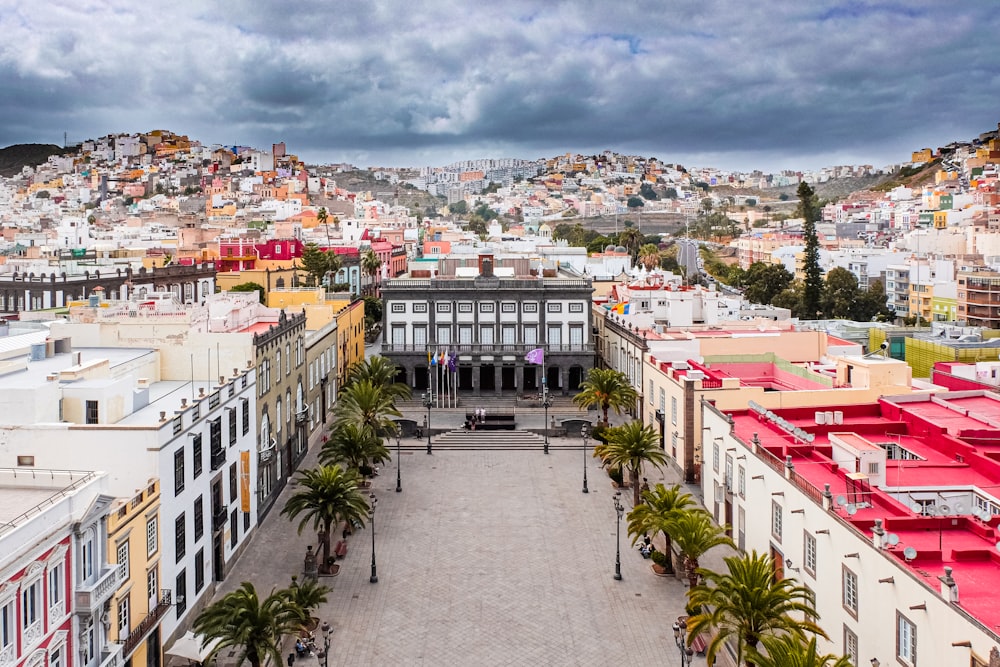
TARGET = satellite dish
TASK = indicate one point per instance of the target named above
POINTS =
(841, 501)
(909, 553)
(959, 508)
(810, 437)
(852, 509)
(998, 546)
(931, 510)
(944, 510)
(916, 507)
(892, 539)
(985, 515)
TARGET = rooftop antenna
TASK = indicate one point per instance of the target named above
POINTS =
(909, 553)
(892, 539)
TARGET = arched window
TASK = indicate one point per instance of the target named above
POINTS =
(277, 416)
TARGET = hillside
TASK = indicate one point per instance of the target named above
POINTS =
(13, 158)
(403, 194)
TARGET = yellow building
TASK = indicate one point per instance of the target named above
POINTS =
(940, 219)
(269, 279)
(924, 155)
(142, 599)
(943, 309)
(350, 338)
(921, 297)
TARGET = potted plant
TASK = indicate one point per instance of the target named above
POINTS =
(617, 479)
(659, 565)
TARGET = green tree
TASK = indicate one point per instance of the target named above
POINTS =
(598, 244)
(371, 265)
(629, 447)
(324, 496)
(308, 596)
(318, 263)
(355, 445)
(647, 192)
(373, 310)
(477, 226)
(365, 402)
(790, 298)
(380, 372)
(649, 256)
(632, 239)
(812, 289)
(694, 533)
(635, 202)
(793, 651)
(605, 389)
(250, 287)
(871, 304)
(654, 514)
(747, 603)
(671, 193)
(765, 281)
(458, 208)
(254, 627)
(840, 296)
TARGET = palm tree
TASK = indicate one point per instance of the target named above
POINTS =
(653, 515)
(381, 372)
(747, 604)
(241, 620)
(308, 596)
(606, 388)
(649, 256)
(365, 403)
(632, 239)
(629, 447)
(370, 266)
(355, 444)
(321, 218)
(326, 495)
(694, 533)
(792, 651)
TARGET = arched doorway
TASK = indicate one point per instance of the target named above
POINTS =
(575, 377)
(552, 378)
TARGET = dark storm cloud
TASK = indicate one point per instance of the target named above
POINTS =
(415, 83)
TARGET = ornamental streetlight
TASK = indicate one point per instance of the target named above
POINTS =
(545, 404)
(585, 432)
(371, 517)
(327, 630)
(428, 403)
(399, 481)
(680, 639)
(619, 510)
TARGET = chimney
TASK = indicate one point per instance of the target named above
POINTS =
(236, 372)
(949, 587)
(878, 534)
(201, 392)
(163, 416)
(222, 380)
(827, 497)
(184, 403)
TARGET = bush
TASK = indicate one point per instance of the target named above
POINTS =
(659, 558)
(616, 476)
(598, 432)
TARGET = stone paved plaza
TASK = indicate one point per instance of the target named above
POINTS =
(485, 558)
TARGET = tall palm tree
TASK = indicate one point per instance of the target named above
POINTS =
(363, 402)
(381, 372)
(747, 604)
(629, 447)
(241, 620)
(308, 595)
(606, 388)
(326, 495)
(694, 533)
(632, 239)
(322, 218)
(355, 444)
(649, 256)
(792, 651)
(370, 266)
(653, 515)
(334, 263)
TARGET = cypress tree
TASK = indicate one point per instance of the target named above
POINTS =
(812, 291)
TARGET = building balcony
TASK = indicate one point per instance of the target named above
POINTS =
(90, 598)
(218, 458)
(111, 656)
(219, 519)
(141, 631)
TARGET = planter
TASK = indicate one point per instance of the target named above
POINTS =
(660, 571)
(333, 571)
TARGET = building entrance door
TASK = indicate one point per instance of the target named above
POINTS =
(487, 378)
(508, 380)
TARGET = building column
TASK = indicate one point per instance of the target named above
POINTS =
(563, 380)
(519, 378)
(498, 379)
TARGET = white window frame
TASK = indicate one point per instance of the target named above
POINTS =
(809, 554)
(777, 520)
(906, 640)
(122, 553)
(850, 645)
(123, 616)
(529, 307)
(420, 307)
(849, 591)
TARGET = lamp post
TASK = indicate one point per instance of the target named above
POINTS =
(371, 516)
(327, 630)
(545, 404)
(680, 639)
(619, 510)
(428, 402)
(585, 432)
(399, 481)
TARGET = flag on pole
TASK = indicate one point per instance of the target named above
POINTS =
(429, 358)
(433, 359)
(622, 308)
(453, 362)
(536, 356)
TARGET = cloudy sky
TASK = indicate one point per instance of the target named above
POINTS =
(754, 84)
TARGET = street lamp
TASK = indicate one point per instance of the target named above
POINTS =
(428, 403)
(680, 639)
(619, 510)
(371, 517)
(327, 630)
(399, 481)
(585, 432)
(545, 404)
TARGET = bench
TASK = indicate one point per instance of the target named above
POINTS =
(491, 422)
(699, 644)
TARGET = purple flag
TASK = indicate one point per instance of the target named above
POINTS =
(536, 356)
(453, 362)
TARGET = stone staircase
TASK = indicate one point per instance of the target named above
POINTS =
(462, 440)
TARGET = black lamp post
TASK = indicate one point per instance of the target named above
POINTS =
(680, 639)
(327, 630)
(371, 516)
(545, 404)
(428, 403)
(399, 481)
(585, 432)
(619, 510)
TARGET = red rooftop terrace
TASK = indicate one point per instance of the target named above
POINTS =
(928, 466)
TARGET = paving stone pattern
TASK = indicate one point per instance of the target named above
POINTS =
(486, 558)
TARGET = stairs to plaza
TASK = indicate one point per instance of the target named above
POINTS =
(462, 440)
